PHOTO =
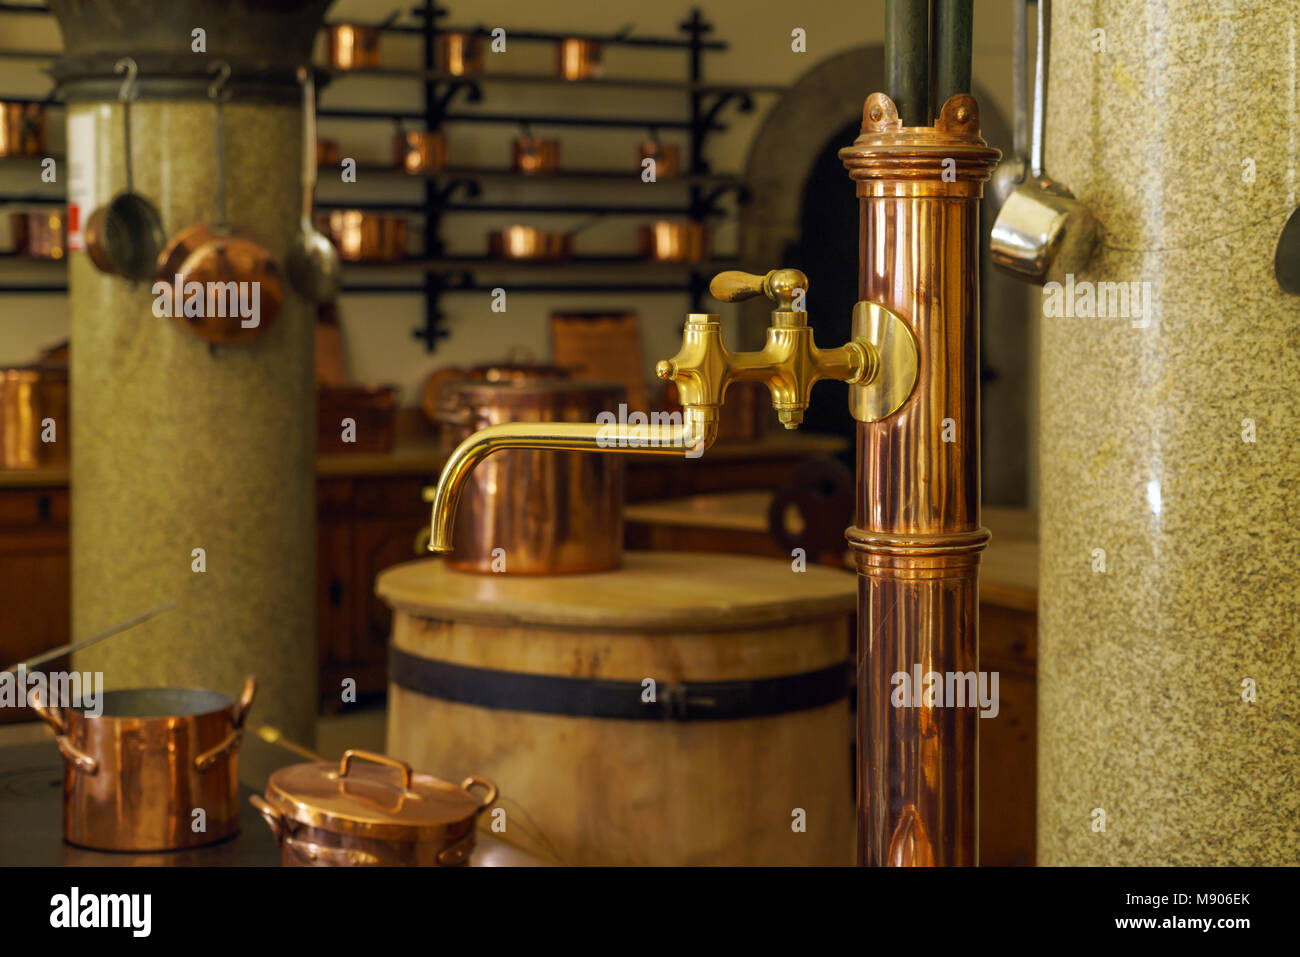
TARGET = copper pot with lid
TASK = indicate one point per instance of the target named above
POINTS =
(530, 511)
(134, 774)
(371, 810)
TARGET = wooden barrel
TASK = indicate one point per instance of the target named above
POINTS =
(685, 709)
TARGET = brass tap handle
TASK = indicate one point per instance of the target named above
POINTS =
(779, 285)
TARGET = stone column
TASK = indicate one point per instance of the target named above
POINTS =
(182, 446)
(1170, 456)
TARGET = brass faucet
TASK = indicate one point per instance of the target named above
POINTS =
(879, 363)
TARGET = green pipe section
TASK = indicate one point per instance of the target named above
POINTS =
(952, 32)
(907, 59)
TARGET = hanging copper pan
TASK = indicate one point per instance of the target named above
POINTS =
(536, 156)
(460, 53)
(365, 237)
(223, 260)
(420, 151)
(673, 242)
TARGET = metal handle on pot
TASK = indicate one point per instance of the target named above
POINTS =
(78, 759)
(273, 818)
(492, 791)
(333, 856)
(348, 755)
(238, 713)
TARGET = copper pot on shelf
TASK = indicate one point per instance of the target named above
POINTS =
(133, 775)
(353, 46)
(22, 129)
(327, 152)
(673, 242)
(365, 237)
(667, 157)
(460, 53)
(355, 814)
(29, 395)
(420, 151)
(546, 512)
(579, 58)
(536, 156)
(39, 235)
(530, 244)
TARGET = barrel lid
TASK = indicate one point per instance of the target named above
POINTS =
(372, 795)
(703, 591)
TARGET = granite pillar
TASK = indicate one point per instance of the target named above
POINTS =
(1170, 454)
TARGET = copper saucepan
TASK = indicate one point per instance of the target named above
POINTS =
(365, 237)
(222, 257)
(577, 58)
(355, 46)
(535, 156)
(370, 810)
(530, 244)
(420, 151)
(673, 242)
(22, 129)
(460, 53)
(134, 776)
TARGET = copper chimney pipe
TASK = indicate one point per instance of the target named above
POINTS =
(917, 536)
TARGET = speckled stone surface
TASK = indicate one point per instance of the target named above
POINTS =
(1141, 668)
(182, 447)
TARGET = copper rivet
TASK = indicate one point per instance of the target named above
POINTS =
(962, 114)
(875, 113)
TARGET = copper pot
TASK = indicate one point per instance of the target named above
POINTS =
(134, 776)
(28, 397)
(420, 151)
(534, 156)
(578, 59)
(670, 242)
(365, 237)
(327, 152)
(546, 512)
(667, 157)
(40, 235)
(529, 243)
(460, 54)
(352, 46)
(22, 129)
(356, 814)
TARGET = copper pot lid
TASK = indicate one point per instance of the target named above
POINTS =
(375, 796)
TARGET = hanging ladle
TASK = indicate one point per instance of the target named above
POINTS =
(124, 237)
(1042, 232)
(313, 263)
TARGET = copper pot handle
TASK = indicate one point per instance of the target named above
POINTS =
(50, 715)
(492, 791)
(237, 715)
(78, 759)
(273, 818)
(348, 755)
(335, 856)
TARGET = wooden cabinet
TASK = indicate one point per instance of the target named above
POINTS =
(34, 577)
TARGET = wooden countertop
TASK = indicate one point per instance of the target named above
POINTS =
(423, 456)
(1008, 568)
(692, 590)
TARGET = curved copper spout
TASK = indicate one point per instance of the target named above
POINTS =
(690, 438)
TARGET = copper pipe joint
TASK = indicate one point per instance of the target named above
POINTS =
(917, 535)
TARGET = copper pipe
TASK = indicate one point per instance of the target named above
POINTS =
(693, 436)
(917, 536)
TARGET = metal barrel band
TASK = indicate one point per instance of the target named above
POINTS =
(620, 700)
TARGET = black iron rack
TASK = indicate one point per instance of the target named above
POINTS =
(458, 189)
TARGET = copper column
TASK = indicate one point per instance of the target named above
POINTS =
(917, 536)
